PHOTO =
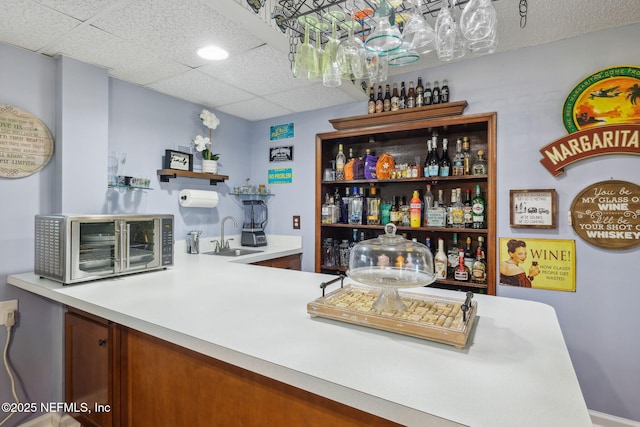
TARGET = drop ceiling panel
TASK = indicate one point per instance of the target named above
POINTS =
(31, 26)
(255, 109)
(311, 98)
(175, 29)
(79, 9)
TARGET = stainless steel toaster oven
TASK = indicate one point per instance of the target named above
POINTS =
(76, 248)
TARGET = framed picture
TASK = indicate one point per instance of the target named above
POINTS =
(532, 208)
(178, 160)
(281, 154)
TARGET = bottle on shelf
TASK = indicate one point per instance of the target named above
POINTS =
(371, 105)
(344, 214)
(325, 211)
(395, 98)
(445, 161)
(478, 208)
(427, 159)
(435, 95)
(379, 100)
(373, 207)
(428, 204)
(450, 207)
(355, 208)
(364, 213)
(386, 102)
(469, 257)
(457, 211)
(419, 93)
(341, 160)
(444, 92)
(437, 215)
(481, 247)
(480, 165)
(411, 96)
(468, 209)
(394, 213)
(415, 210)
(402, 102)
(461, 272)
(434, 163)
(452, 255)
(405, 213)
(440, 261)
(351, 155)
(457, 167)
(428, 100)
(466, 146)
(479, 268)
(337, 200)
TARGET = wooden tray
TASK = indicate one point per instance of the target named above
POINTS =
(429, 317)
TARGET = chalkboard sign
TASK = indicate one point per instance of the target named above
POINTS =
(26, 145)
(607, 214)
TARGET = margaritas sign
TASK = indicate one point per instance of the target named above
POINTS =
(602, 116)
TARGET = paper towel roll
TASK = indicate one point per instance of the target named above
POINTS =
(198, 199)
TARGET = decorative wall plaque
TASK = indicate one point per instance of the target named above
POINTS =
(607, 214)
(26, 145)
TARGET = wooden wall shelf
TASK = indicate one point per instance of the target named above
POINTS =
(167, 174)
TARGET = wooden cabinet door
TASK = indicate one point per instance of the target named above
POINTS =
(89, 368)
(291, 262)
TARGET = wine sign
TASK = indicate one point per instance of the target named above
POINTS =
(26, 145)
(607, 214)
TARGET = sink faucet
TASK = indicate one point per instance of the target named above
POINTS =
(223, 244)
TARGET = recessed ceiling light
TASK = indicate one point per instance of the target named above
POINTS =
(213, 53)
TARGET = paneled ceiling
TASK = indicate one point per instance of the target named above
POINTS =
(153, 43)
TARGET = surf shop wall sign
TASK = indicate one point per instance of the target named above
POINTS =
(26, 145)
(607, 214)
(602, 116)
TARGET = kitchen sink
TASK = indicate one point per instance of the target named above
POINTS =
(234, 252)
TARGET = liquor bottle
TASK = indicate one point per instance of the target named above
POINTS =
(468, 209)
(457, 211)
(479, 166)
(337, 200)
(415, 210)
(452, 255)
(457, 169)
(444, 92)
(325, 212)
(469, 258)
(479, 268)
(435, 95)
(395, 98)
(479, 207)
(371, 106)
(405, 213)
(445, 161)
(364, 212)
(437, 215)
(425, 169)
(386, 102)
(379, 100)
(355, 208)
(434, 163)
(345, 206)
(419, 93)
(428, 97)
(411, 96)
(481, 247)
(466, 145)
(373, 207)
(394, 213)
(461, 272)
(402, 103)
(351, 155)
(428, 203)
(341, 160)
(440, 261)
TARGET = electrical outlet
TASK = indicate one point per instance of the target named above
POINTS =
(296, 222)
(6, 306)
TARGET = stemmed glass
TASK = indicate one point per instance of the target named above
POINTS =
(417, 33)
(446, 33)
(330, 70)
(350, 55)
(319, 27)
(478, 25)
(306, 62)
(386, 37)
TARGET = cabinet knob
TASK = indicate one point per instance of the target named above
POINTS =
(102, 342)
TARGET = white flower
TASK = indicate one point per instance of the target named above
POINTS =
(209, 119)
(201, 143)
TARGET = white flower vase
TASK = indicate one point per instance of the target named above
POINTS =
(210, 166)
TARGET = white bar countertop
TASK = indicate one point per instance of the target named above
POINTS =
(514, 371)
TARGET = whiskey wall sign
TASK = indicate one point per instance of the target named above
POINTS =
(607, 214)
(26, 145)
(602, 116)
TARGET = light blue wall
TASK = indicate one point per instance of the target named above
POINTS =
(526, 88)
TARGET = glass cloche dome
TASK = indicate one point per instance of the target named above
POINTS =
(391, 262)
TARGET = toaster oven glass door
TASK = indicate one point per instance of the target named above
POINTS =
(105, 248)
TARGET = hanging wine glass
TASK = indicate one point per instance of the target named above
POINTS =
(417, 33)
(445, 33)
(319, 27)
(405, 55)
(306, 61)
(330, 70)
(350, 55)
(386, 36)
(478, 20)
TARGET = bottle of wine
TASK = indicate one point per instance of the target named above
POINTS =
(428, 100)
(341, 160)
(434, 163)
(427, 160)
(415, 210)
(479, 207)
(371, 106)
(395, 98)
(440, 261)
(379, 100)
(444, 92)
(386, 102)
(461, 273)
(419, 93)
(445, 161)
(435, 95)
(411, 96)
(402, 102)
